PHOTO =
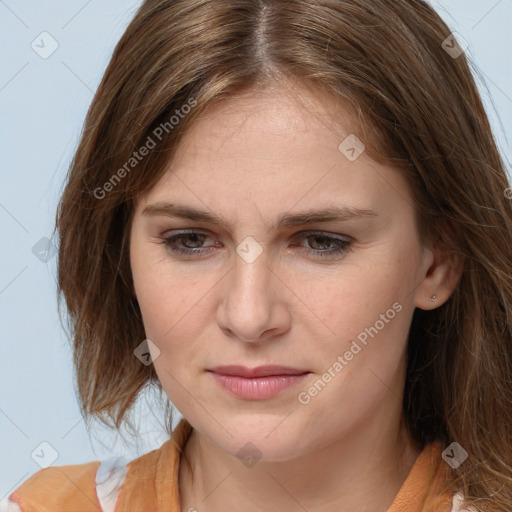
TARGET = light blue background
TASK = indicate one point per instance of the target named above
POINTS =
(43, 103)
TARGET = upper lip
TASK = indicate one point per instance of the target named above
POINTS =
(259, 371)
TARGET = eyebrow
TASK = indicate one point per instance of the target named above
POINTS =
(345, 213)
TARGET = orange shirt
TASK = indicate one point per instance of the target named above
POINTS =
(150, 483)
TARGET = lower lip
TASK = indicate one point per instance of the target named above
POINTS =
(257, 388)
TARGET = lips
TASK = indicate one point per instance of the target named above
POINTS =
(259, 371)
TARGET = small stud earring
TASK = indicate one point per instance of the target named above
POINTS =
(433, 298)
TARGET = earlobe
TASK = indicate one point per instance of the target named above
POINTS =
(439, 280)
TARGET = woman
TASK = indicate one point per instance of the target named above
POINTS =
(293, 219)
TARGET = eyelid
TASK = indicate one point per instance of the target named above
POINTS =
(323, 233)
(178, 231)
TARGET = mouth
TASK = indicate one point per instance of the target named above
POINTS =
(259, 371)
(258, 383)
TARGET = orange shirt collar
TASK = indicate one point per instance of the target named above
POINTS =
(152, 480)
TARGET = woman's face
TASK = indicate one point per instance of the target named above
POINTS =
(331, 297)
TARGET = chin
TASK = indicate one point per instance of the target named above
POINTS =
(256, 438)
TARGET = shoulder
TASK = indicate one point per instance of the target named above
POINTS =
(149, 482)
(85, 487)
(65, 487)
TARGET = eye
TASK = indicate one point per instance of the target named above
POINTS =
(191, 244)
(325, 245)
(191, 240)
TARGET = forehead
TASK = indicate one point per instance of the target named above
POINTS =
(273, 150)
(276, 111)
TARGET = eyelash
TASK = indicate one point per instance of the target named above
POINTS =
(343, 247)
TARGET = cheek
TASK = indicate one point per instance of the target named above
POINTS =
(151, 287)
(357, 296)
(368, 309)
(160, 291)
(165, 307)
(172, 304)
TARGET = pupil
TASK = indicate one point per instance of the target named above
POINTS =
(317, 238)
(193, 237)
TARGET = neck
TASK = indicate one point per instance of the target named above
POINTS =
(363, 471)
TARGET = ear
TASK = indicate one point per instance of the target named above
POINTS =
(440, 273)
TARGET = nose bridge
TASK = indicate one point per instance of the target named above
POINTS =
(251, 273)
(249, 298)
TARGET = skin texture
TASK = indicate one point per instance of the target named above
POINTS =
(251, 159)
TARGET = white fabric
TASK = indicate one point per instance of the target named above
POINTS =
(457, 503)
(6, 505)
(109, 478)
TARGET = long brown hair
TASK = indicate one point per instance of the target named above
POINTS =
(388, 63)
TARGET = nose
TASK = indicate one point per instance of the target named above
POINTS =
(253, 305)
